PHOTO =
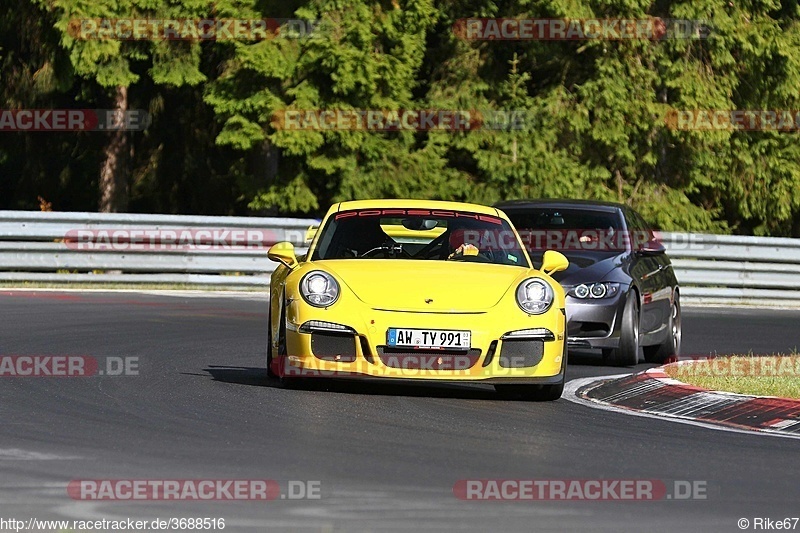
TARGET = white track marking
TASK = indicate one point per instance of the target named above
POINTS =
(15, 454)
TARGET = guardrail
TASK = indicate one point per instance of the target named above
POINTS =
(54, 247)
(732, 269)
(51, 247)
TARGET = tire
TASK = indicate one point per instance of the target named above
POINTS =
(536, 393)
(531, 393)
(670, 349)
(627, 353)
(286, 381)
(270, 373)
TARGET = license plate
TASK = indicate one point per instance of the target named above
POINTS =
(429, 338)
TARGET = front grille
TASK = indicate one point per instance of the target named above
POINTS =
(428, 359)
(333, 346)
(521, 353)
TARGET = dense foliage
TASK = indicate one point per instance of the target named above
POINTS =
(597, 110)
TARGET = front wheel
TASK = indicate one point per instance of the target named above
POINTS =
(286, 381)
(270, 373)
(627, 353)
(534, 393)
(671, 347)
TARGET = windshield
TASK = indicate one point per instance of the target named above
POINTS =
(573, 232)
(419, 234)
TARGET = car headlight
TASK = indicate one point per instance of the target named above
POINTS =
(594, 291)
(534, 296)
(319, 289)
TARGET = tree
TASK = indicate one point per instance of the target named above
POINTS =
(113, 64)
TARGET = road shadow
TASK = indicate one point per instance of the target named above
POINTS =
(586, 358)
(253, 376)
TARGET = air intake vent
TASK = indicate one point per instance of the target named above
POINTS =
(521, 353)
(333, 347)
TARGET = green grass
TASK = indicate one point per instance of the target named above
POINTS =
(774, 375)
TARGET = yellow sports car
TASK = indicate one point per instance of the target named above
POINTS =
(418, 290)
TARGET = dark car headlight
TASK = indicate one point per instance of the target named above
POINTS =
(319, 289)
(594, 291)
(534, 296)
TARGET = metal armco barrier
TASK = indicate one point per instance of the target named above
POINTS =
(731, 269)
(231, 252)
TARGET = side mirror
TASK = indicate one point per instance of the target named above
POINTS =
(553, 262)
(651, 247)
(283, 252)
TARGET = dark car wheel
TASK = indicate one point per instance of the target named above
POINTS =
(286, 382)
(671, 347)
(627, 353)
(534, 393)
(270, 373)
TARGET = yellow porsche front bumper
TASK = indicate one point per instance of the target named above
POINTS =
(506, 345)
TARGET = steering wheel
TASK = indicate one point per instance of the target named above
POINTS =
(427, 251)
(392, 249)
(471, 258)
(489, 254)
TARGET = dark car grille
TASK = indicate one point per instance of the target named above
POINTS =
(333, 347)
(521, 353)
(428, 359)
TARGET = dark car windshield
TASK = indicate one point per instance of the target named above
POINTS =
(572, 231)
(419, 234)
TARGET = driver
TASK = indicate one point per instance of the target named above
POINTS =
(461, 245)
(366, 235)
(464, 250)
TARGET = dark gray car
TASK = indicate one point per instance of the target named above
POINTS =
(622, 293)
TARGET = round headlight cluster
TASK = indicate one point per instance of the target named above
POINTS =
(534, 296)
(594, 290)
(598, 290)
(319, 289)
(582, 291)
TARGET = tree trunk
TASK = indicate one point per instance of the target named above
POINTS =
(114, 173)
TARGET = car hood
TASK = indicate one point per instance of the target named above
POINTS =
(407, 285)
(587, 267)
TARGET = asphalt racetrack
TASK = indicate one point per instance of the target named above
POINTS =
(197, 405)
